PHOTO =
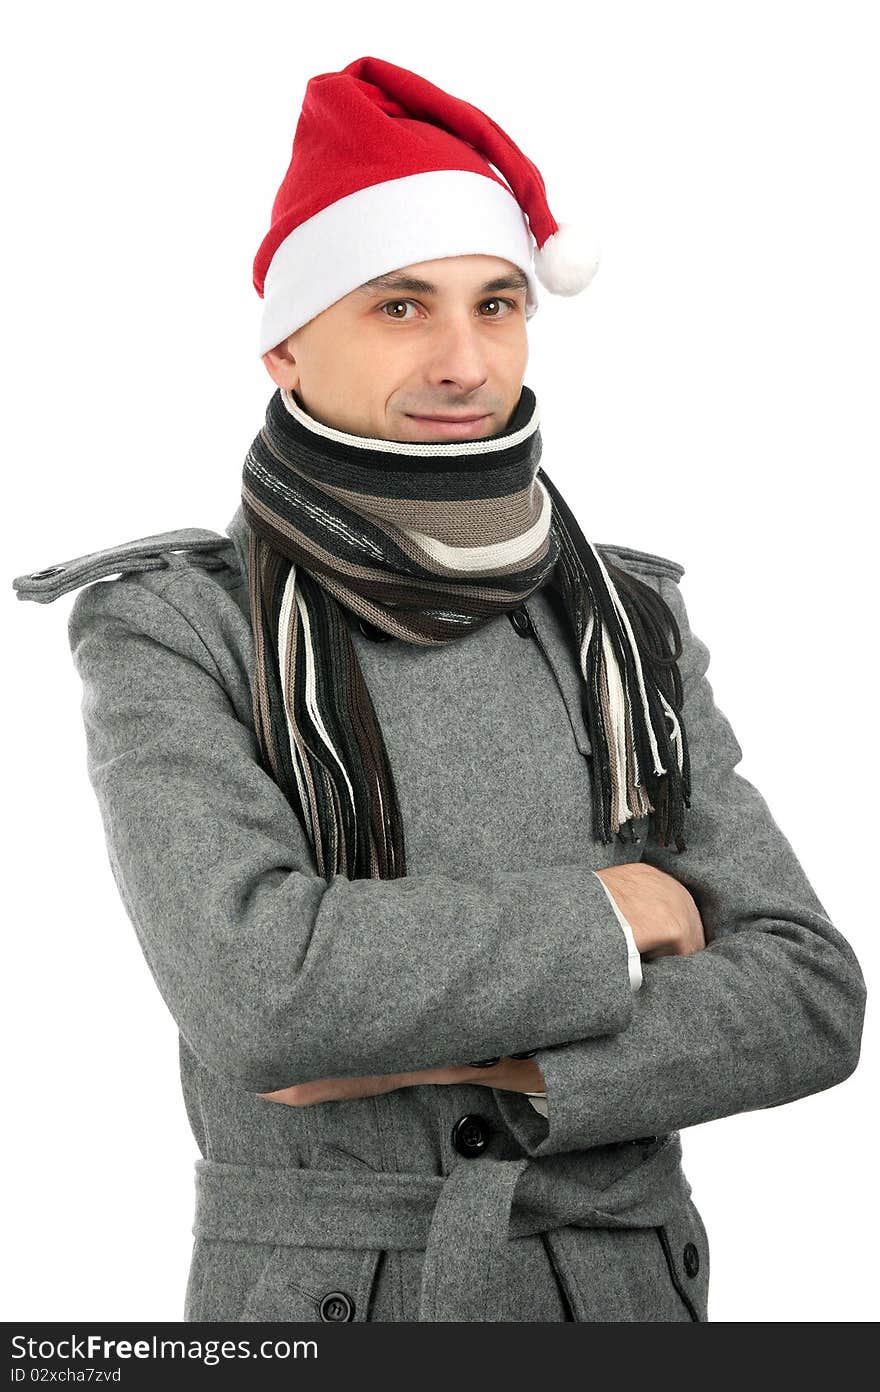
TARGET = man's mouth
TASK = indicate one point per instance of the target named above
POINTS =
(451, 419)
(452, 427)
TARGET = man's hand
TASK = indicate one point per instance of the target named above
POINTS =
(661, 911)
(513, 1075)
(509, 1074)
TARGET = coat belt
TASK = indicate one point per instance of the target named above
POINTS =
(462, 1220)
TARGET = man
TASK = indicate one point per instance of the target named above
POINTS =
(420, 804)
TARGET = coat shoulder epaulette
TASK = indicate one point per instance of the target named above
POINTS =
(161, 551)
(641, 560)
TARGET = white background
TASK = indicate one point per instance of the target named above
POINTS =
(712, 397)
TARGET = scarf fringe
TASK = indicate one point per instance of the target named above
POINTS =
(640, 763)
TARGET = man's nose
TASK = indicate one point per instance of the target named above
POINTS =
(459, 356)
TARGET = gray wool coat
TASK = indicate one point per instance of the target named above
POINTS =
(459, 1202)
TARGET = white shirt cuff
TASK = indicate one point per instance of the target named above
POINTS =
(635, 961)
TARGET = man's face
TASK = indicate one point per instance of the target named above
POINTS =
(391, 353)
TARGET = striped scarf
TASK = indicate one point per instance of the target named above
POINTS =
(428, 542)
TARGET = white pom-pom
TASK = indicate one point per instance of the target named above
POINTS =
(567, 261)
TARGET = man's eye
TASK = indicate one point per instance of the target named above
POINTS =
(394, 304)
(399, 304)
(511, 305)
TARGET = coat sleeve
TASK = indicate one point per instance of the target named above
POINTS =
(539, 1099)
(769, 1011)
(274, 975)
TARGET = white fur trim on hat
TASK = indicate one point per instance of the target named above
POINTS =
(399, 222)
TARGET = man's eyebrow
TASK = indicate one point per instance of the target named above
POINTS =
(515, 280)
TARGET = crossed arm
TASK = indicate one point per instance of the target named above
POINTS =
(765, 1008)
(665, 921)
(259, 959)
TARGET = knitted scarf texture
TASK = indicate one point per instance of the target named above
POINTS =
(428, 542)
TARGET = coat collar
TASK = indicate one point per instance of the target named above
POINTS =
(237, 529)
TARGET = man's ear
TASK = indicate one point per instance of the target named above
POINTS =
(281, 366)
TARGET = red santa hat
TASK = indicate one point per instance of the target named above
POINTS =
(388, 170)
